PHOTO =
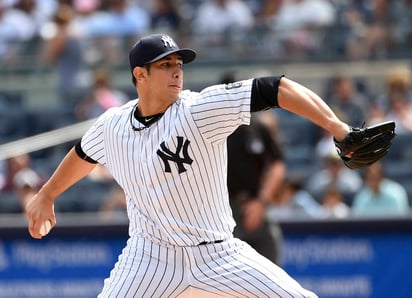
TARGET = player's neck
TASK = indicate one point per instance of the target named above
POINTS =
(153, 106)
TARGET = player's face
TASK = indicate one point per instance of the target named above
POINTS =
(166, 77)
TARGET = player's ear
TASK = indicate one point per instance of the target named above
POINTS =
(139, 73)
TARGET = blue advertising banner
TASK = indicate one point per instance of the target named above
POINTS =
(359, 266)
(334, 264)
(56, 268)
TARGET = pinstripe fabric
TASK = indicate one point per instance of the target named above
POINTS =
(178, 208)
(228, 269)
(174, 177)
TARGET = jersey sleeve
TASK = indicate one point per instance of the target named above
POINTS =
(92, 142)
(220, 109)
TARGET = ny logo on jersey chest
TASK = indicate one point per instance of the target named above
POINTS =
(167, 155)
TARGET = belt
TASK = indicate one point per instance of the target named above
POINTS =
(210, 242)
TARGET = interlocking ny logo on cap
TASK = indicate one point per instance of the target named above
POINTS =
(168, 41)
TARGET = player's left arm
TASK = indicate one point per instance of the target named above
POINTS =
(272, 92)
(358, 147)
(304, 102)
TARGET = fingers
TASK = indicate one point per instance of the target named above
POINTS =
(35, 227)
(39, 209)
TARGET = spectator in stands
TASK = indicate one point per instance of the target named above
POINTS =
(345, 98)
(123, 18)
(333, 172)
(267, 12)
(379, 35)
(397, 102)
(88, 16)
(63, 49)
(101, 97)
(91, 17)
(19, 182)
(23, 16)
(334, 204)
(300, 24)
(214, 19)
(376, 113)
(165, 16)
(108, 26)
(12, 166)
(371, 26)
(400, 111)
(380, 195)
(294, 201)
(403, 29)
(26, 184)
(20, 22)
(45, 9)
(325, 146)
(8, 34)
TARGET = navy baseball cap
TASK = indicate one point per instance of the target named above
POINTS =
(155, 47)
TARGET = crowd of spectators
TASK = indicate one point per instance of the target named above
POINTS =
(82, 39)
(281, 29)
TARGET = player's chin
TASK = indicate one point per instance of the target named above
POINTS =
(175, 92)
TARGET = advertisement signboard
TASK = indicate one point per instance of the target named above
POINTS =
(356, 259)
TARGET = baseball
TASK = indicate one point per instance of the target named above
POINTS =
(45, 227)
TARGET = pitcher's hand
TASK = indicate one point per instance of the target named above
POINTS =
(39, 209)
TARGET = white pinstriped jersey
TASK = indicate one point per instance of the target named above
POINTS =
(174, 172)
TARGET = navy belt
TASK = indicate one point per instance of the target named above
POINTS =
(210, 242)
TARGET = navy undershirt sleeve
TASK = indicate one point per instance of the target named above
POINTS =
(265, 93)
(82, 155)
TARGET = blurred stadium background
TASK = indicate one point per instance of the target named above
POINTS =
(311, 41)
